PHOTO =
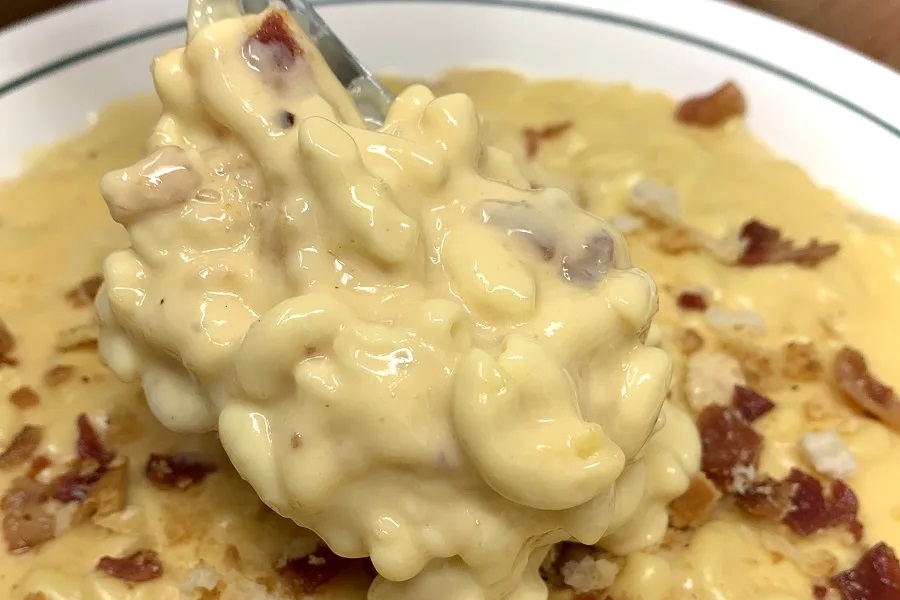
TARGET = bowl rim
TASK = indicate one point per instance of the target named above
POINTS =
(830, 70)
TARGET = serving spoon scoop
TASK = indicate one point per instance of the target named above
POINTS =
(371, 97)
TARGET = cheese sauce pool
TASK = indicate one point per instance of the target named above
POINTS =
(56, 232)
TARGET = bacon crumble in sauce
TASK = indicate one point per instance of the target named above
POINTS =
(713, 109)
(27, 522)
(138, 567)
(177, 471)
(22, 447)
(533, 137)
(304, 575)
(812, 510)
(851, 372)
(692, 301)
(764, 245)
(58, 375)
(728, 443)
(92, 463)
(876, 576)
(7, 346)
(24, 397)
(83, 294)
(750, 404)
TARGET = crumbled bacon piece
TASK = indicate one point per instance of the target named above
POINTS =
(306, 574)
(801, 362)
(84, 293)
(728, 443)
(58, 374)
(24, 397)
(533, 137)
(750, 404)
(811, 510)
(696, 504)
(692, 301)
(79, 337)
(274, 30)
(764, 245)
(92, 464)
(766, 498)
(22, 447)
(871, 395)
(179, 471)
(27, 523)
(819, 591)
(75, 485)
(108, 495)
(712, 109)
(7, 346)
(37, 466)
(89, 446)
(875, 576)
(140, 566)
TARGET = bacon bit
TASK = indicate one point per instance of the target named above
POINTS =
(534, 137)
(274, 30)
(179, 471)
(750, 404)
(75, 485)
(695, 505)
(140, 566)
(37, 466)
(728, 442)
(306, 574)
(692, 301)
(764, 245)
(92, 464)
(819, 591)
(7, 346)
(24, 397)
(689, 341)
(22, 447)
(109, 494)
(812, 511)
(89, 445)
(766, 498)
(801, 363)
(712, 109)
(758, 365)
(84, 293)
(79, 337)
(871, 395)
(27, 523)
(876, 576)
(58, 374)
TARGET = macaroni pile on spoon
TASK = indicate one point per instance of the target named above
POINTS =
(402, 344)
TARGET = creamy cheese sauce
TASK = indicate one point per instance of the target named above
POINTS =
(54, 231)
(401, 344)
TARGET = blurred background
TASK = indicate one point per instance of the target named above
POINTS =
(870, 26)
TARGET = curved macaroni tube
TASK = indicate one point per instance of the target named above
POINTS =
(362, 203)
(518, 421)
(296, 328)
(487, 275)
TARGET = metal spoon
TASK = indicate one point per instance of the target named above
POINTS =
(370, 96)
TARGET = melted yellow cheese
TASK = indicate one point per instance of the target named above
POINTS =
(54, 231)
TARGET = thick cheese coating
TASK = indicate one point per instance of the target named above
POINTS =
(402, 344)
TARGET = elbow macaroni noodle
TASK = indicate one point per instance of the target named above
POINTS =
(388, 358)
